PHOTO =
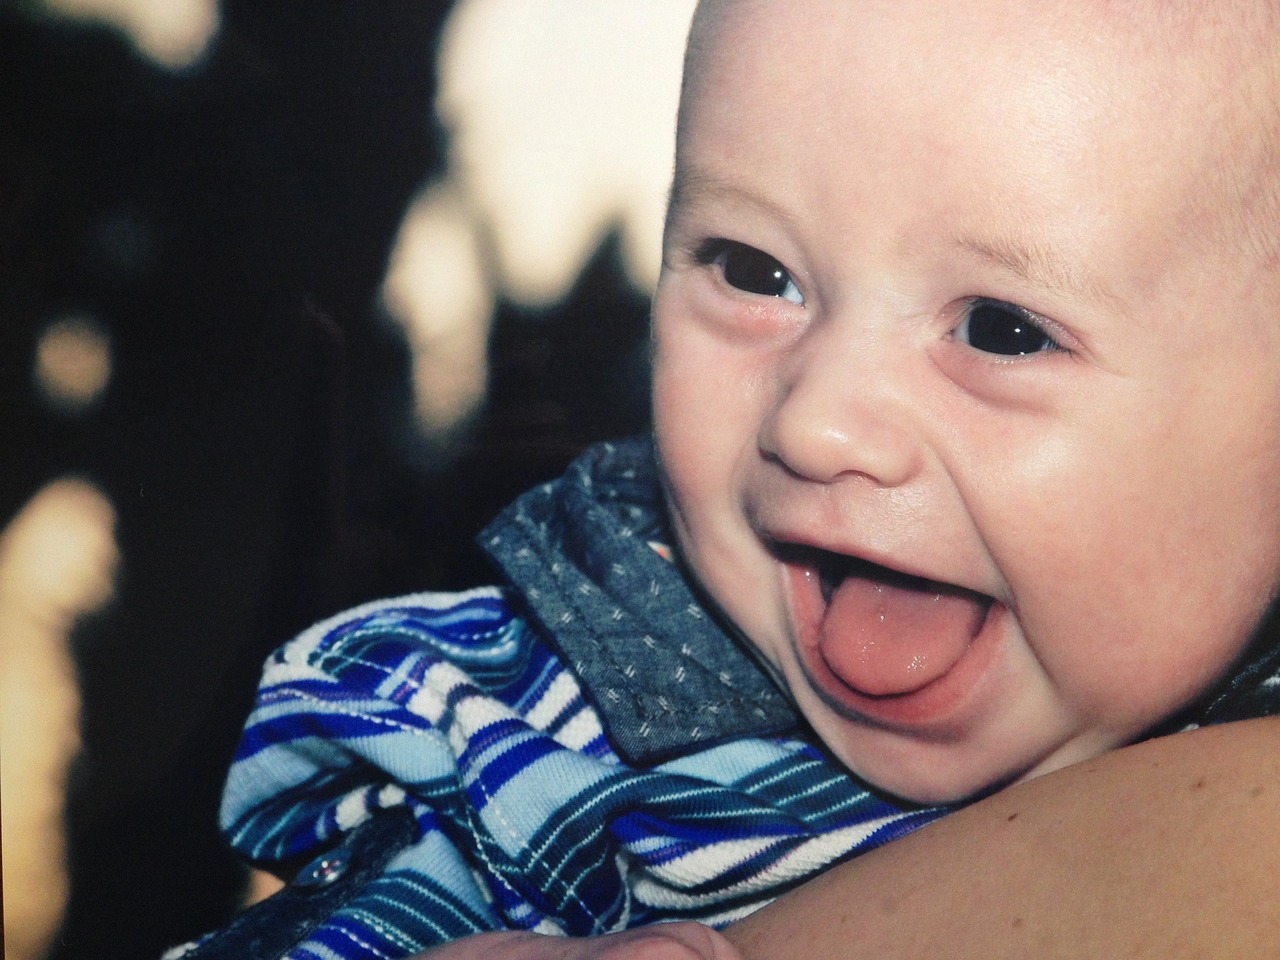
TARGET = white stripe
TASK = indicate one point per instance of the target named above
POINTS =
(562, 691)
(581, 730)
(651, 886)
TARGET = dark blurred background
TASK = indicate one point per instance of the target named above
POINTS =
(225, 228)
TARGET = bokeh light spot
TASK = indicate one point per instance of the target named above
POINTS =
(58, 559)
(172, 33)
(72, 364)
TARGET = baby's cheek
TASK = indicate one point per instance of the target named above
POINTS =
(1124, 656)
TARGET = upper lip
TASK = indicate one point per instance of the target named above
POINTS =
(794, 546)
(919, 537)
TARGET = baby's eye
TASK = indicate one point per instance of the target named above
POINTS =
(751, 270)
(1002, 328)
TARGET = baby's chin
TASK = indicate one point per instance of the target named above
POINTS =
(932, 784)
(934, 774)
(933, 787)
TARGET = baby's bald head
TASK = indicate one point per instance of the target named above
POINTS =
(1223, 56)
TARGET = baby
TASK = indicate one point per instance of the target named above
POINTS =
(968, 366)
(967, 397)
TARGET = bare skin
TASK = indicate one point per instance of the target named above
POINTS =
(1165, 849)
(672, 941)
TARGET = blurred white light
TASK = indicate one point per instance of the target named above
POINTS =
(57, 563)
(173, 33)
(437, 287)
(72, 363)
(561, 115)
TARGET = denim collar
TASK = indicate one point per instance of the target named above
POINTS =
(587, 554)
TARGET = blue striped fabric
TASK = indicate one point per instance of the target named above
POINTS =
(654, 780)
(453, 706)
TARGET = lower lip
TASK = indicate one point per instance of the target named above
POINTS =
(940, 707)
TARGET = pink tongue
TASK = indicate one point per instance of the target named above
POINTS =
(882, 639)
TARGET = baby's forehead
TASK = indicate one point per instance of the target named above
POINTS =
(1241, 198)
(1222, 55)
(1238, 201)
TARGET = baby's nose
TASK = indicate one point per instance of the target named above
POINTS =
(843, 411)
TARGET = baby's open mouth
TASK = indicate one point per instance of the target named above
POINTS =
(882, 632)
(834, 568)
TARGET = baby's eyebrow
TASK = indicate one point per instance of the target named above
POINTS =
(1037, 264)
(692, 185)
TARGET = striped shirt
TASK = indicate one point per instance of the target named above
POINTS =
(582, 750)
(527, 818)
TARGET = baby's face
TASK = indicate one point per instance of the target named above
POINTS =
(967, 393)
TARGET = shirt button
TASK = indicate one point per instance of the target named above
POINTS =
(323, 872)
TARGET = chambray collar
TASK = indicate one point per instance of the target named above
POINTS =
(586, 554)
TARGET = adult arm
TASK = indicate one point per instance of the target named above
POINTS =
(1165, 849)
